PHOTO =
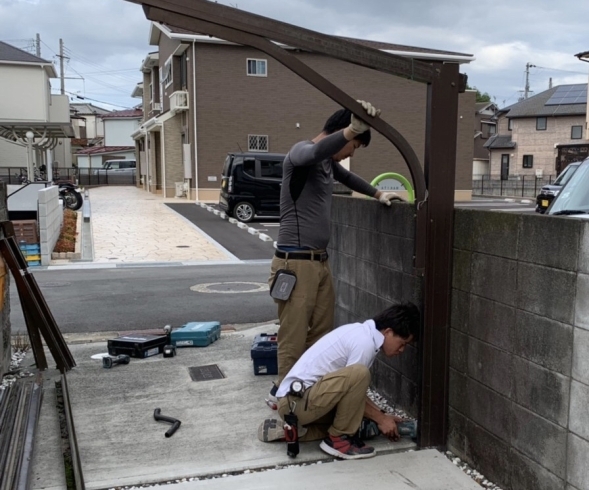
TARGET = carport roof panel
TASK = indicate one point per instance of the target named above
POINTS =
(41, 130)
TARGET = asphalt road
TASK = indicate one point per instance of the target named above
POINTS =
(124, 299)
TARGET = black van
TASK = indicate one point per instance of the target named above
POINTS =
(550, 191)
(250, 185)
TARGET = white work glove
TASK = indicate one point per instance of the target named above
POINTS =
(388, 197)
(358, 126)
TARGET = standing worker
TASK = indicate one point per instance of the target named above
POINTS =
(309, 170)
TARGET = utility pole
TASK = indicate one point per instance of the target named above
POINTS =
(527, 90)
(38, 45)
(62, 72)
(550, 83)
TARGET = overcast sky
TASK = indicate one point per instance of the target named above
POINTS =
(106, 40)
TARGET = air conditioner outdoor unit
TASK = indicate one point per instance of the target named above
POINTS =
(157, 106)
(179, 189)
(179, 101)
(539, 173)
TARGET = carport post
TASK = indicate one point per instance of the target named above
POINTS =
(440, 170)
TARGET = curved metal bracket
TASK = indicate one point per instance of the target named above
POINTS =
(306, 73)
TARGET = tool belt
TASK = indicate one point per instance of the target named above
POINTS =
(319, 256)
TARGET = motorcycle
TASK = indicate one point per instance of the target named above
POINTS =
(72, 199)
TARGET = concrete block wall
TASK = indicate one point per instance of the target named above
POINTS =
(371, 257)
(4, 296)
(50, 218)
(519, 368)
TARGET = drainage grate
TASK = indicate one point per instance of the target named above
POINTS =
(205, 373)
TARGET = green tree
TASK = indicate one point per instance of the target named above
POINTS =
(480, 97)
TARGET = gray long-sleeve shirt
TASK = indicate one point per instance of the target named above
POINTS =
(307, 187)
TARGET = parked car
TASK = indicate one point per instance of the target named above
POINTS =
(573, 199)
(119, 167)
(550, 191)
(250, 185)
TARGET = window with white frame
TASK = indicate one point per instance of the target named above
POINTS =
(257, 68)
(576, 132)
(166, 73)
(257, 142)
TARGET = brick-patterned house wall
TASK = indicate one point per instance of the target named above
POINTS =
(231, 105)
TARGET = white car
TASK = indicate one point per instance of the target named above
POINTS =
(573, 199)
(117, 167)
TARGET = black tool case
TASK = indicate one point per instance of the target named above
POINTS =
(139, 346)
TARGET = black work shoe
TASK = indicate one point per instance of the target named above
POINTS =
(346, 447)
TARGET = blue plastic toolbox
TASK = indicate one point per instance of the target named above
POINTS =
(196, 334)
(265, 354)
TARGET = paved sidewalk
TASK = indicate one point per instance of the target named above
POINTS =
(130, 225)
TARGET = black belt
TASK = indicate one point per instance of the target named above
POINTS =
(320, 256)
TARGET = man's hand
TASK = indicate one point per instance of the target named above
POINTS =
(388, 197)
(388, 427)
(358, 126)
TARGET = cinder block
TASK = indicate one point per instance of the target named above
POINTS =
(544, 341)
(345, 295)
(223, 215)
(562, 252)
(210, 209)
(398, 220)
(367, 304)
(490, 366)
(460, 310)
(216, 212)
(458, 351)
(458, 392)
(346, 239)
(577, 467)
(463, 225)
(581, 355)
(584, 249)
(457, 433)
(525, 473)
(367, 276)
(462, 270)
(364, 213)
(495, 234)
(579, 423)
(540, 440)
(412, 289)
(489, 409)
(544, 392)
(492, 322)
(582, 302)
(390, 255)
(347, 269)
(389, 284)
(535, 293)
(494, 278)
(368, 246)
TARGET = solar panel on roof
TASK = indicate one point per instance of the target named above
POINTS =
(569, 94)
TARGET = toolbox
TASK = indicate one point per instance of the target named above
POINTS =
(138, 345)
(265, 354)
(196, 334)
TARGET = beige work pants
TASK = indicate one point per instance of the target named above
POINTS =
(334, 405)
(308, 314)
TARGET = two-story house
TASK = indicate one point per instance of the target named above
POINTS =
(34, 123)
(540, 135)
(204, 97)
(118, 142)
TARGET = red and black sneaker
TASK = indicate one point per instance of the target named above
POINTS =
(346, 447)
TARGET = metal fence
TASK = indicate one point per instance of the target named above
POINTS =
(515, 186)
(84, 176)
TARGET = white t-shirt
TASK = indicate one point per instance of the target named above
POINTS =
(355, 343)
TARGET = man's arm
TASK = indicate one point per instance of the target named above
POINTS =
(352, 181)
(387, 424)
(309, 153)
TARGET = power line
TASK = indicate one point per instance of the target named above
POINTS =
(558, 69)
(96, 100)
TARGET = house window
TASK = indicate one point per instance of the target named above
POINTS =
(256, 142)
(528, 161)
(540, 124)
(510, 124)
(166, 73)
(576, 132)
(492, 129)
(257, 68)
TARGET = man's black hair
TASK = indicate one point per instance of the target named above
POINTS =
(402, 318)
(341, 119)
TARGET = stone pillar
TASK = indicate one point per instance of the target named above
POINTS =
(4, 296)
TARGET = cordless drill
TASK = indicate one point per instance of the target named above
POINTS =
(110, 361)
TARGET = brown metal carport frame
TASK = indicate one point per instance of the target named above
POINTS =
(434, 185)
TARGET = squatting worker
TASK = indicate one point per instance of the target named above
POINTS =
(335, 374)
(309, 171)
